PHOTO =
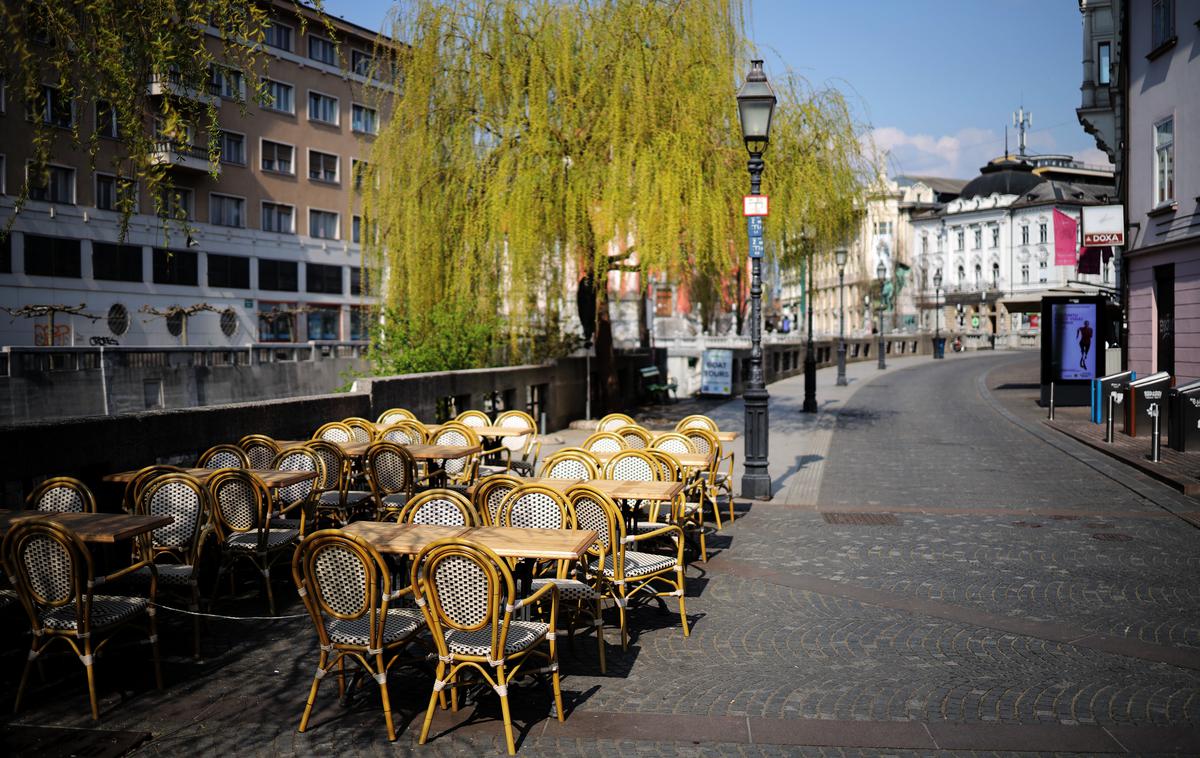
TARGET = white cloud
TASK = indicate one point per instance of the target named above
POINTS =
(951, 155)
(1093, 155)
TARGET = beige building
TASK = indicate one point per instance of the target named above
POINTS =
(274, 248)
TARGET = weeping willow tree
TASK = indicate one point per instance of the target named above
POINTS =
(63, 56)
(533, 142)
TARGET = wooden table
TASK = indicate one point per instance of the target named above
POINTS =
(272, 478)
(92, 527)
(349, 449)
(558, 485)
(687, 460)
(426, 452)
(505, 541)
(627, 493)
(401, 539)
(722, 436)
(489, 431)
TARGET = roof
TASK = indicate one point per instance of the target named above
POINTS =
(1051, 192)
(1003, 177)
(939, 184)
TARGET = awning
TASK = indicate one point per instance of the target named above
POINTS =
(1031, 302)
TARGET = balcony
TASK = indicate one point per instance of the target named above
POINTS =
(172, 84)
(181, 154)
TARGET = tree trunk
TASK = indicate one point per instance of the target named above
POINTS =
(608, 388)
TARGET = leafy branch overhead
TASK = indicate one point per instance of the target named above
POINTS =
(42, 311)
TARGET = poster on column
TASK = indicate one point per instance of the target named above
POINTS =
(716, 372)
(1075, 343)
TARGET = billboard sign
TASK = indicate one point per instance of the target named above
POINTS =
(1072, 339)
(716, 372)
(1103, 226)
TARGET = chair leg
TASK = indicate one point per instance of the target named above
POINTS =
(433, 701)
(508, 731)
(266, 573)
(682, 606)
(34, 650)
(195, 619)
(90, 666)
(312, 691)
(716, 511)
(598, 621)
(158, 682)
(554, 680)
(621, 603)
(387, 704)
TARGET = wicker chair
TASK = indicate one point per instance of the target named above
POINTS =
(296, 497)
(361, 429)
(673, 442)
(404, 433)
(527, 446)
(458, 471)
(347, 589)
(392, 415)
(334, 431)
(177, 548)
(615, 421)
(439, 507)
(621, 573)
(133, 489)
(62, 494)
(535, 506)
(716, 481)
(260, 448)
(571, 463)
(489, 493)
(684, 512)
(635, 437)
(242, 518)
(223, 456)
(51, 570)
(696, 421)
(473, 418)
(468, 597)
(334, 500)
(604, 442)
(391, 475)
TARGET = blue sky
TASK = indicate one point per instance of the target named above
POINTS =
(936, 80)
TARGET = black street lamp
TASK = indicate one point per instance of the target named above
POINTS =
(881, 272)
(756, 104)
(840, 256)
(937, 315)
(810, 355)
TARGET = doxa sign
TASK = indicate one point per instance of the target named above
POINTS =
(1104, 226)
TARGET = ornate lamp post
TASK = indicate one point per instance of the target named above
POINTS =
(756, 104)
(881, 273)
(937, 315)
(840, 256)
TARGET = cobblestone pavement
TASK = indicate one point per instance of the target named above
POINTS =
(933, 586)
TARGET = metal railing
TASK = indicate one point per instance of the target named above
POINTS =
(15, 360)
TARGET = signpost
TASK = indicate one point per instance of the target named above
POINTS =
(716, 372)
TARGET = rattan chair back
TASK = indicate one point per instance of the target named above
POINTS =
(571, 463)
(535, 506)
(604, 442)
(50, 567)
(239, 500)
(634, 466)
(334, 431)
(696, 421)
(223, 456)
(473, 418)
(260, 449)
(668, 464)
(392, 415)
(390, 469)
(635, 437)
(518, 443)
(464, 586)
(615, 421)
(705, 441)
(673, 442)
(62, 494)
(490, 492)
(185, 500)
(439, 507)
(342, 578)
(592, 509)
(336, 465)
(406, 432)
(456, 433)
(133, 489)
(360, 428)
(299, 458)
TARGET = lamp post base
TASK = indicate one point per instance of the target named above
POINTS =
(810, 381)
(756, 485)
(841, 376)
(756, 479)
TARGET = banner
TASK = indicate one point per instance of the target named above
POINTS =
(1065, 234)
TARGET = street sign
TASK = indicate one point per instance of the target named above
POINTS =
(1103, 226)
(754, 205)
(754, 226)
(716, 372)
(756, 247)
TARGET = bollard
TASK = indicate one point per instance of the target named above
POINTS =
(1108, 430)
(1051, 401)
(1155, 441)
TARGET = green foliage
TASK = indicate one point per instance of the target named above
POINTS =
(447, 338)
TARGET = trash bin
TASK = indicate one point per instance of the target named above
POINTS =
(1102, 388)
(1183, 425)
(1142, 395)
(939, 347)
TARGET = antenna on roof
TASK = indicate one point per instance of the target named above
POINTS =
(1006, 142)
(1022, 121)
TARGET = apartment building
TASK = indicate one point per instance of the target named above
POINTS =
(273, 254)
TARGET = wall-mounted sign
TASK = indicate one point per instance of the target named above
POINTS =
(1103, 225)
(754, 226)
(754, 205)
(716, 373)
(756, 247)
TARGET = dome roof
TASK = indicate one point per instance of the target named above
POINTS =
(1006, 176)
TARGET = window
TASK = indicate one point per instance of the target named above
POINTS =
(978, 238)
(358, 285)
(106, 120)
(175, 267)
(6, 254)
(962, 276)
(279, 96)
(113, 194)
(323, 224)
(1042, 232)
(364, 119)
(1024, 235)
(995, 235)
(51, 256)
(279, 276)
(1164, 162)
(226, 82)
(356, 229)
(924, 243)
(53, 108)
(324, 323)
(1042, 272)
(358, 169)
(360, 324)
(1104, 63)
(233, 148)
(978, 275)
(321, 278)
(3, 174)
(226, 210)
(57, 185)
(321, 49)
(1024, 273)
(322, 167)
(996, 275)
(1162, 23)
(276, 321)
(278, 158)
(322, 108)
(116, 263)
(277, 217)
(176, 202)
(231, 271)
(278, 35)
(361, 63)
(961, 237)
